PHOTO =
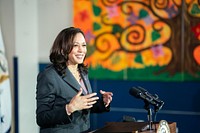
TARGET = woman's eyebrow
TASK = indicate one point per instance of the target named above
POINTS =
(79, 43)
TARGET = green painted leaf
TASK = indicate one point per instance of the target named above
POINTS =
(143, 13)
(96, 26)
(138, 58)
(195, 9)
(96, 10)
(155, 35)
(116, 28)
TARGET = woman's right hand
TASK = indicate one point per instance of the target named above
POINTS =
(80, 102)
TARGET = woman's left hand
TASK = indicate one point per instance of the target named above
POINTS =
(107, 97)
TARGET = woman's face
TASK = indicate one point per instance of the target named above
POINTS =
(77, 55)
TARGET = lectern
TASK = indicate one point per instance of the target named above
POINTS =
(132, 127)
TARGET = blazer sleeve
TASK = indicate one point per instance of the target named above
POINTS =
(46, 114)
(99, 107)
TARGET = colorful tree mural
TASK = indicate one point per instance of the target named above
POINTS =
(141, 39)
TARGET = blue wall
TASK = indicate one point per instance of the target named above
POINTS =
(181, 102)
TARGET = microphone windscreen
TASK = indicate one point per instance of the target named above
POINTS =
(135, 92)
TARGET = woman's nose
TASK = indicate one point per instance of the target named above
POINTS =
(80, 48)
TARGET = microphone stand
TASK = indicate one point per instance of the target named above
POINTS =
(147, 107)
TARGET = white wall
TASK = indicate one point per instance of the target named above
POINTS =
(29, 28)
(26, 49)
(54, 15)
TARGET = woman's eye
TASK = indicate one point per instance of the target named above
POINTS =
(77, 44)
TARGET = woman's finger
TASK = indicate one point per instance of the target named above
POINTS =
(90, 95)
(80, 92)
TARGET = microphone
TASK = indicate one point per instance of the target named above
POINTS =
(148, 98)
(139, 94)
(158, 103)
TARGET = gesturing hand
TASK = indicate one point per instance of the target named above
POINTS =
(107, 97)
(79, 102)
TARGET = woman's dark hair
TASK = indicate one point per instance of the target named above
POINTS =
(61, 48)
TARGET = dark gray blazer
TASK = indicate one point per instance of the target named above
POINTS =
(53, 93)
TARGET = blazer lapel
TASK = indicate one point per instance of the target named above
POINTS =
(69, 78)
(87, 82)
